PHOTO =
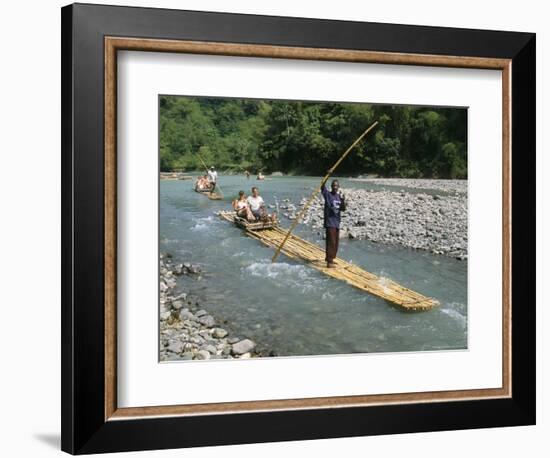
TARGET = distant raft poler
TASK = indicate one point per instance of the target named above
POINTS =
(212, 178)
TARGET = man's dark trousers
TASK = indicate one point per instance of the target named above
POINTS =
(332, 238)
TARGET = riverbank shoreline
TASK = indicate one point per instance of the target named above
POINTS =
(428, 184)
(187, 330)
(416, 220)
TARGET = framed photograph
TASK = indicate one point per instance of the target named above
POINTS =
(284, 228)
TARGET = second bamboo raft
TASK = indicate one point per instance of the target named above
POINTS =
(210, 195)
(302, 250)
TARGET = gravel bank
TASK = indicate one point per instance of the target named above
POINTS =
(450, 186)
(421, 221)
(188, 331)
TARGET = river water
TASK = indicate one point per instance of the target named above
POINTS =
(290, 309)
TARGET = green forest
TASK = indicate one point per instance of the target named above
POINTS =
(306, 138)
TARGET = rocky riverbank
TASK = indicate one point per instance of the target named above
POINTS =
(437, 223)
(187, 330)
(449, 186)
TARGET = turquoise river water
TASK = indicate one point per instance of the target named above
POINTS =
(288, 308)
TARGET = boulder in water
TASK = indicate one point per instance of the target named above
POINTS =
(219, 333)
(207, 320)
(242, 347)
(202, 354)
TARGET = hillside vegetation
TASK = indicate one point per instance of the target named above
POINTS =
(308, 137)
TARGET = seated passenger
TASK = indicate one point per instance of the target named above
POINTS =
(257, 207)
(242, 208)
(202, 183)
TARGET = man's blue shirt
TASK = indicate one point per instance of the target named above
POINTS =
(334, 205)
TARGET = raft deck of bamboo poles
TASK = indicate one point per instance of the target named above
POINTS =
(302, 250)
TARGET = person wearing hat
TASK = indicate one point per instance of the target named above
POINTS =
(212, 178)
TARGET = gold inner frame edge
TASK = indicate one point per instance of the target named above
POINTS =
(114, 44)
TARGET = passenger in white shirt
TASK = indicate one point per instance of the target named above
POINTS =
(257, 207)
(257, 204)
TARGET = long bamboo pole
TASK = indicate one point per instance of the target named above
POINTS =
(323, 181)
(206, 168)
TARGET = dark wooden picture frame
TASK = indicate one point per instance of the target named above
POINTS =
(91, 37)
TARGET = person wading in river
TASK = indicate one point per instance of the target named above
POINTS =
(334, 205)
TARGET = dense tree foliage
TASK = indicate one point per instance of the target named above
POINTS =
(308, 137)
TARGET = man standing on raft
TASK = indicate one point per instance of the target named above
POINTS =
(334, 205)
(212, 178)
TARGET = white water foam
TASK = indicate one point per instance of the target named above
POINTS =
(239, 254)
(276, 270)
(452, 312)
(202, 223)
(294, 275)
(384, 283)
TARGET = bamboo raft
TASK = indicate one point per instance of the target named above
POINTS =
(299, 249)
(207, 193)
